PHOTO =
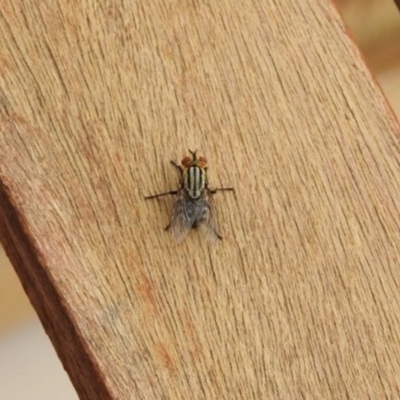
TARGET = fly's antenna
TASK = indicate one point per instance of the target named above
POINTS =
(193, 153)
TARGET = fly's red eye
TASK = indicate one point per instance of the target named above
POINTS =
(186, 161)
(202, 162)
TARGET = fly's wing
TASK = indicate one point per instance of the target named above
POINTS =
(208, 222)
(182, 217)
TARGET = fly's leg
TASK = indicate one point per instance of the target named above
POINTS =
(213, 191)
(161, 194)
(209, 222)
(179, 168)
(176, 165)
(172, 192)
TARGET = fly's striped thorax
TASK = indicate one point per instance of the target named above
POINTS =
(194, 181)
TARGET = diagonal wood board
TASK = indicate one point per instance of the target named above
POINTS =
(301, 297)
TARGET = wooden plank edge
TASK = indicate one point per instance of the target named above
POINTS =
(84, 372)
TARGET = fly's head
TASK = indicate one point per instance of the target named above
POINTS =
(194, 161)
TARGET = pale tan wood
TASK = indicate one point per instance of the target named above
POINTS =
(14, 305)
(375, 25)
(301, 298)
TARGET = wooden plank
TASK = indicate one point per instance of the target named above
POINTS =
(300, 299)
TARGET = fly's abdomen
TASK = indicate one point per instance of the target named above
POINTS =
(195, 181)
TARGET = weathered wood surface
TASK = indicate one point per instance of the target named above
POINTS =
(300, 299)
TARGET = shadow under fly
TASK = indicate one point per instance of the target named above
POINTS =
(194, 205)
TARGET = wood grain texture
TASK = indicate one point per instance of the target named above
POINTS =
(300, 299)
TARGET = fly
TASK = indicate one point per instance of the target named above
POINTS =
(194, 205)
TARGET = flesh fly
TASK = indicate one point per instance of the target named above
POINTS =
(194, 205)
